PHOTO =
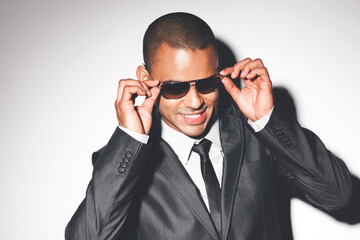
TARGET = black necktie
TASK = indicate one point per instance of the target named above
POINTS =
(211, 183)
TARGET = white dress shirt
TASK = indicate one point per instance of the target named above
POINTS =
(182, 145)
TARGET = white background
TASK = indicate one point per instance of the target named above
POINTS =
(60, 66)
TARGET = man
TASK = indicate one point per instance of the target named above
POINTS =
(187, 164)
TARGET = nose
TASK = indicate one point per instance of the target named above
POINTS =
(193, 98)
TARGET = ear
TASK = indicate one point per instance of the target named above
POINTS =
(142, 74)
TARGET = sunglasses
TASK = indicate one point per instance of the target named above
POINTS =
(176, 90)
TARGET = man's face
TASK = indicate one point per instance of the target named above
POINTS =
(190, 114)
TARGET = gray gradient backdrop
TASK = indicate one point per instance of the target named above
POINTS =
(60, 66)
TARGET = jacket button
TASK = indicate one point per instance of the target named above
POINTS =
(125, 159)
(121, 170)
(128, 154)
(123, 165)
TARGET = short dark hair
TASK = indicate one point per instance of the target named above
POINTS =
(180, 30)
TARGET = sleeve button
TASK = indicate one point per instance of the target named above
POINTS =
(128, 154)
(123, 165)
(125, 159)
(121, 170)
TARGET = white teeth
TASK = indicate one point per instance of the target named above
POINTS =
(192, 116)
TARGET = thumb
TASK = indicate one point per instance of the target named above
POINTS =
(231, 88)
(149, 102)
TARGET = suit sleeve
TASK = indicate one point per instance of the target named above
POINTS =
(312, 172)
(117, 169)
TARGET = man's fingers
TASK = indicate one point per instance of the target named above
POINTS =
(144, 85)
(257, 63)
(231, 88)
(242, 68)
(151, 83)
(126, 82)
(239, 67)
(148, 84)
(131, 90)
(261, 76)
(226, 71)
(257, 72)
(149, 102)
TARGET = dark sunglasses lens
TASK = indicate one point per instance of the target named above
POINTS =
(175, 90)
(208, 85)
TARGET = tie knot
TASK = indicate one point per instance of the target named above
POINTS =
(202, 148)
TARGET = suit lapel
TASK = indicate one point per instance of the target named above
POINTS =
(232, 141)
(174, 172)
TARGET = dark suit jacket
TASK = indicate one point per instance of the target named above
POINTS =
(142, 191)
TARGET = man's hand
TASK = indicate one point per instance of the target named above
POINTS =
(255, 99)
(139, 118)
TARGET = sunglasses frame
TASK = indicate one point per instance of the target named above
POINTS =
(191, 83)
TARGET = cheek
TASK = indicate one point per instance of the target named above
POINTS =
(211, 99)
(166, 107)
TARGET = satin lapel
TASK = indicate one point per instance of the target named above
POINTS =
(172, 169)
(232, 142)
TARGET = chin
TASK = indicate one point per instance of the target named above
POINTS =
(194, 131)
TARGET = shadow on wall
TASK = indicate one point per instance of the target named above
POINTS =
(349, 214)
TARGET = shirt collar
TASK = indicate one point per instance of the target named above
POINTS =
(182, 144)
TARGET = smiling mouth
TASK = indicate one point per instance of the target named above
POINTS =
(192, 116)
(197, 118)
